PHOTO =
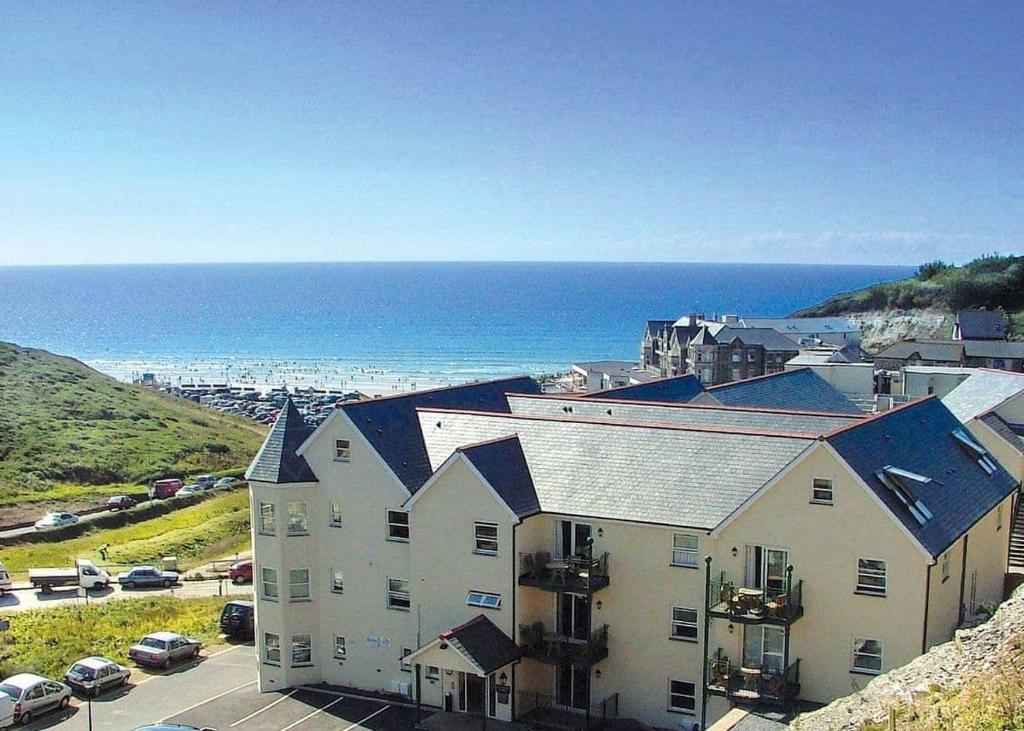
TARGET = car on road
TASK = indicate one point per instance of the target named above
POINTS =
(206, 481)
(241, 572)
(5, 582)
(55, 520)
(163, 649)
(147, 576)
(93, 675)
(237, 619)
(34, 695)
(120, 502)
(189, 490)
(226, 482)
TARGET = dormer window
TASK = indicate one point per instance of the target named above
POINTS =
(976, 451)
(902, 483)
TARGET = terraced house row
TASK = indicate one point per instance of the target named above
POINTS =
(646, 552)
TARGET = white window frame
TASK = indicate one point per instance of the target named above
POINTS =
(340, 649)
(401, 526)
(945, 567)
(297, 645)
(265, 583)
(293, 510)
(269, 648)
(830, 488)
(683, 556)
(869, 572)
(342, 450)
(293, 584)
(855, 653)
(405, 665)
(685, 626)
(484, 599)
(673, 694)
(335, 520)
(398, 595)
(263, 519)
(479, 540)
(337, 581)
(433, 672)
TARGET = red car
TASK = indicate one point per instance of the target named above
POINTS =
(241, 572)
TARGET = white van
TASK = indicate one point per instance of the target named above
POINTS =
(6, 711)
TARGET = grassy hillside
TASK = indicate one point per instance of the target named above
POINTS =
(67, 431)
(990, 281)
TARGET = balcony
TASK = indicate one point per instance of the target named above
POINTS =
(753, 685)
(554, 648)
(583, 574)
(748, 605)
(543, 711)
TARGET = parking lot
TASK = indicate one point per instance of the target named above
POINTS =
(219, 692)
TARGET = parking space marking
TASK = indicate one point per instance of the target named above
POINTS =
(165, 673)
(357, 724)
(208, 700)
(265, 708)
(308, 716)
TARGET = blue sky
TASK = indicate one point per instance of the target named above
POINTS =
(814, 132)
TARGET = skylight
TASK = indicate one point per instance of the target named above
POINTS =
(899, 483)
(975, 450)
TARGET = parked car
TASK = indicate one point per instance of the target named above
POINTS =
(34, 695)
(206, 481)
(5, 584)
(226, 482)
(55, 520)
(237, 619)
(189, 490)
(241, 572)
(162, 649)
(93, 675)
(120, 502)
(167, 488)
(147, 576)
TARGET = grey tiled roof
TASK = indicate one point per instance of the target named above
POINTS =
(488, 646)
(981, 324)
(671, 476)
(800, 389)
(942, 350)
(503, 465)
(768, 338)
(797, 326)
(775, 421)
(1004, 429)
(678, 389)
(981, 391)
(276, 461)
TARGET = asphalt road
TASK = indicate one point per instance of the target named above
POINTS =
(87, 518)
(219, 692)
(20, 600)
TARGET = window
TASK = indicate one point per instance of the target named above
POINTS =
(298, 585)
(398, 594)
(342, 450)
(405, 664)
(269, 577)
(339, 647)
(684, 550)
(486, 535)
(871, 576)
(398, 525)
(945, 567)
(684, 624)
(821, 491)
(433, 672)
(867, 656)
(302, 651)
(338, 582)
(271, 648)
(736, 375)
(751, 356)
(298, 524)
(336, 515)
(484, 599)
(268, 526)
(736, 356)
(682, 696)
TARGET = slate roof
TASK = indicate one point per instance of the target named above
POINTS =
(982, 391)
(503, 465)
(765, 336)
(693, 477)
(800, 389)
(942, 350)
(654, 327)
(797, 326)
(678, 389)
(596, 408)
(276, 461)
(918, 437)
(481, 640)
(1007, 431)
(993, 349)
(390, 423)
(981, 324)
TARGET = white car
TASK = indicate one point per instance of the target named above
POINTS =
(34, 695)
(55, 520)
(189, 490)
(93, 675)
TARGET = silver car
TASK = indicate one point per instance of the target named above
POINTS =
(34, 695)
(93, 675)
(162, 649)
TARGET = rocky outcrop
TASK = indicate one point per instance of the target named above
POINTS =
(972, 653)
(881, 328)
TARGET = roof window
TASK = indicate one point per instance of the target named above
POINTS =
(977, 451)
(900, 482)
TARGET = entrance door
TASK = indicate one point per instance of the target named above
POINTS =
(764, 648)
(474, 693)
(572, 537)
(766, 569)
(573, 686)
(574, 616)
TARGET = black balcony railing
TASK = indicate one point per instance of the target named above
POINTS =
(753, 685)
(579, 573)
(555, 648)
(546, 712)
(749, 605)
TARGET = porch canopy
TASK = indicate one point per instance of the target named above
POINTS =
(477, 647)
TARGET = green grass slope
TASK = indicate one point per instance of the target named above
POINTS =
(68, 431)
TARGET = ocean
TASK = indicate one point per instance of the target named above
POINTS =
(394, 324)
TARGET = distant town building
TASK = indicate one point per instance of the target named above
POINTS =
(602, 374)
(981, 325)
(999, 354)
